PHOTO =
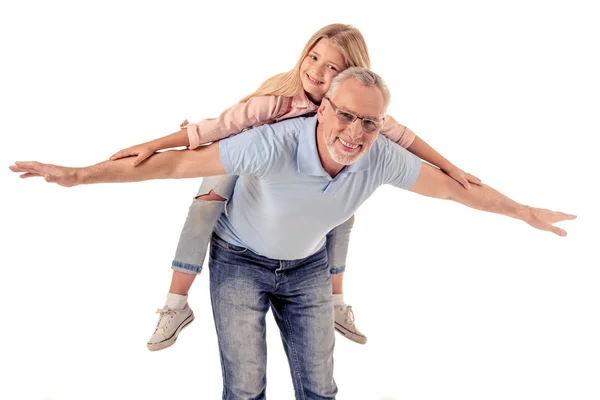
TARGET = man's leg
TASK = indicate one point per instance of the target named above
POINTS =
(239, 294)
(303, 308)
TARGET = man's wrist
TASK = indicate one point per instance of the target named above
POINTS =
(80, 176)
(523, 213)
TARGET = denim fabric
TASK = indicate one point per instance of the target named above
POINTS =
(198, 227)
(243, 287)
(337, 243)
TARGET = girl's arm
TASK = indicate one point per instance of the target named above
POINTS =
(233, 120)
(144, 150)
(425, 152)
(407, 139)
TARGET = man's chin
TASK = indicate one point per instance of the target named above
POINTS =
(341, 158)
(346, 160)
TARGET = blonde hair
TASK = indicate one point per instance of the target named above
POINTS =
(365, 76)
(348, 40)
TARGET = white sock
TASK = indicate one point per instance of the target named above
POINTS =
(338, 299)
(176, 301)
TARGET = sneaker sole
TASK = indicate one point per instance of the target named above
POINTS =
(349, 335)
(170, 341)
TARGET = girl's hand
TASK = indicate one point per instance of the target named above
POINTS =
(140, 151)
(462, 177)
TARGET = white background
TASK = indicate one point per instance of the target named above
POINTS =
(456, 303)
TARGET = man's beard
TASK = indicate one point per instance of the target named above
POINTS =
(340, 158)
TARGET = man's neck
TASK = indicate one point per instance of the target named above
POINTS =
(329, 165)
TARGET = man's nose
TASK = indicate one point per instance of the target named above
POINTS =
(355, 130)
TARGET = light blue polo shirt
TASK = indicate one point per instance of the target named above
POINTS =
(284, 203)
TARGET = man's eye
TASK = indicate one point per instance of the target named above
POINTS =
(369, 126)
(346, 117)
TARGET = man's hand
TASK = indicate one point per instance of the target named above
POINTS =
(463, 178)
(433, 182)
(543, 219)
(63, 176)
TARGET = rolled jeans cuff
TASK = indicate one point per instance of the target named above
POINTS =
(186, 268)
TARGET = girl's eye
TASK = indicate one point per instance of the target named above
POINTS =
(313, 57)
(332, 67)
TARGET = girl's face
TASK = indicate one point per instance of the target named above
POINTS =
(319, 67)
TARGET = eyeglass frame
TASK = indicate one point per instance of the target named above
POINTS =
(355, 117)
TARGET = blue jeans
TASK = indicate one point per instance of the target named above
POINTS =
(243, 286)
(203, 216)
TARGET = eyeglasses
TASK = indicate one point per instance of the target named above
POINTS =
(368, 125)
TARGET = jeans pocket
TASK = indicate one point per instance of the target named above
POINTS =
(225, 246)
(236, 249)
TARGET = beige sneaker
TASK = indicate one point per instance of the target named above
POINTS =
(170, 323)
(344, 324)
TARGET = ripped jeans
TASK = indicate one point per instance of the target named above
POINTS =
(204, 214)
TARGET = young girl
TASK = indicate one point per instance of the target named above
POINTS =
(290, 94)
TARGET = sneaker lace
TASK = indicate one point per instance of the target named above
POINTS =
(166, 315)
(349, 315)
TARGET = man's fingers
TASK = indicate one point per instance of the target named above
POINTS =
(564, 217)
(553, 216)
(16, 168)
(29, 165)
(27, 172)
(557, 216)
(558, 231)
(28, 175)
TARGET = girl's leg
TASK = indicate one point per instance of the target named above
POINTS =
(337, 283)
(337, 250)
(182, 279)
(203, 214)
(181, 283)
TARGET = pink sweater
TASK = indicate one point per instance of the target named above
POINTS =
(262, 109)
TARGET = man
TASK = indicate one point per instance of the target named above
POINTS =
(298, 179)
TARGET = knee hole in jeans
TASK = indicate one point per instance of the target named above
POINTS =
(210, 196)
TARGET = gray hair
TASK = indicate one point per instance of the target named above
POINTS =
(364, 76)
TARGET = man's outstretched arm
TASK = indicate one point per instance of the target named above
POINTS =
(434, 183)
(174, 164)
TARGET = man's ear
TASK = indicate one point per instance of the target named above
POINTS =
(320, 111)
